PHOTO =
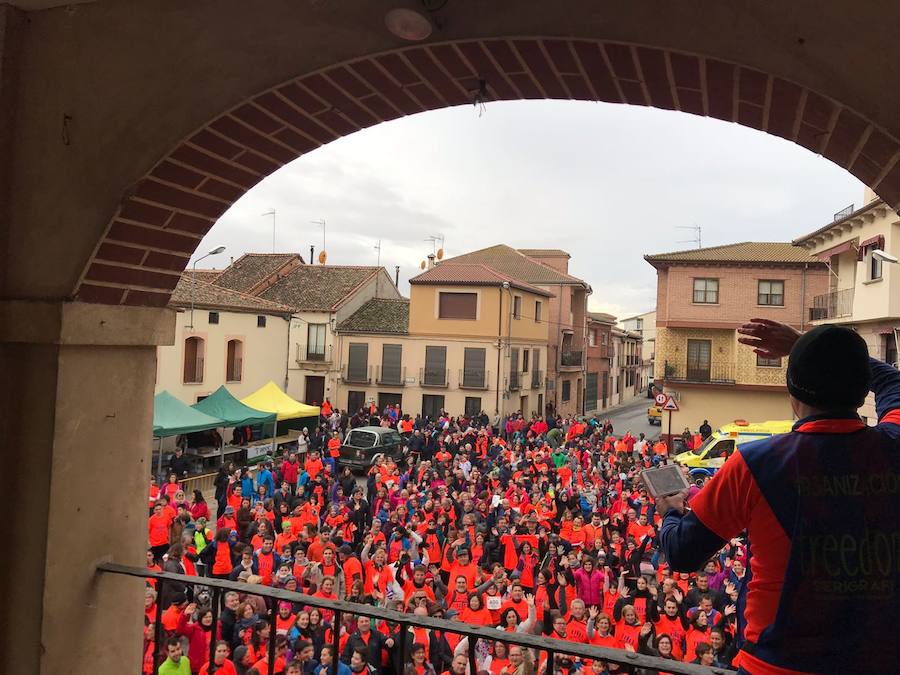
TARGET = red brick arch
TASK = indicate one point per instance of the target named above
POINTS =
(161, 222)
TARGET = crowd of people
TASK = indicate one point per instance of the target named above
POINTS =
(530, 525)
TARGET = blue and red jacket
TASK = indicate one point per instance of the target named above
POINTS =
(820, 505)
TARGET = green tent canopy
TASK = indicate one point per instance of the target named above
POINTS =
(232, 412)
(171, 417)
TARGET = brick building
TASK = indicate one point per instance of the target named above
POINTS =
(597, 389)
(703, 296)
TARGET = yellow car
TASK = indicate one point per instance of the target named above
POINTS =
(654, 415)
(704, 461)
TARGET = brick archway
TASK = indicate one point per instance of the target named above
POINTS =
(161, 221)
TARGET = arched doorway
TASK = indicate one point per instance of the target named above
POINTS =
(126, 129)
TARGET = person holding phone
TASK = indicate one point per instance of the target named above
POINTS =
(815, 503)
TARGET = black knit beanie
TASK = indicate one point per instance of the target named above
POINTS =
(828, 368)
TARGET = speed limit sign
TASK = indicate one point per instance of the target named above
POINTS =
(661, 399)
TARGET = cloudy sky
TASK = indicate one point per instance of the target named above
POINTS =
(608, 183)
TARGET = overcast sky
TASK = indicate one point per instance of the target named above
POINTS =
(606, 182)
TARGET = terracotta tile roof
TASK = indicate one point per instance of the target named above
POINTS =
(318, 288)
(471, 274)
(743, 252)
(850, 216)
(602, 317)
(379, 315)
(215, 297)
(515, 264)
(209, 276)
(252, 268)
(544, 252)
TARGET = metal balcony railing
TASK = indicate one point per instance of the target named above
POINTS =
(434, 377)
(474, 378)
(537, 379)
(356, 374)
(571, 359)
(403, 622)
(515, 380)
(716, 373)
(395, 377)
(832, 305)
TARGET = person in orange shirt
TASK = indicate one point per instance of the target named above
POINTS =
(334, 450)
(326, 408)
(313, 465)
(223, 665)
(158, 531)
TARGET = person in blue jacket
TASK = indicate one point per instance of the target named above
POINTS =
(819, 505)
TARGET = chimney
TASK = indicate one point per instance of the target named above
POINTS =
(310, 261)
(397, 276)
(430, 261)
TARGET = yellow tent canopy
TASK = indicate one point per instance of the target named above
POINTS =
(269, 398)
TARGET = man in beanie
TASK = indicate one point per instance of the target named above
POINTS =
(819, 505)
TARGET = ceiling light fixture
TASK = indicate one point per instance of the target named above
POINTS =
(408, 24)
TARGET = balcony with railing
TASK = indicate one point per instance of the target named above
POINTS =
(833, 305)
(570, 359)
(549, 650)
(716, 373)
(434, 377)
(474, 378)
(394, 377)
(356, 374)
(537, 379)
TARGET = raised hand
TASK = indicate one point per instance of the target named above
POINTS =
(730, 609)
(646, 628)
(768, 339)
(593, 612)
(529, 600)
(561, 578)
(730, 587)
(677, 594)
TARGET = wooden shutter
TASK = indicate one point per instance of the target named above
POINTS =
(435, 364)
(390, 363)
(473, 366)
(358, 361)
(457, 305)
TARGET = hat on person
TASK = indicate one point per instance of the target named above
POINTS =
(828, 368)
(229, 509)
(346, 549)
(179, 599)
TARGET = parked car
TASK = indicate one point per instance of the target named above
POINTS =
(654, 415)
(363, 444)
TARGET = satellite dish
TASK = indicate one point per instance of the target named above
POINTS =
(440, 254)
(322, 257)
(422, 265)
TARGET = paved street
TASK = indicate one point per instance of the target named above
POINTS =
(632, 417)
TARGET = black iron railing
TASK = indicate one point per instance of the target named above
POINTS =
(714, 373)
(832, 305)
(571, 359)
(552, 647)
(393, 376)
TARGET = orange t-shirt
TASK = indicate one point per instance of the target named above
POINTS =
(313, 468)
(158, 527)
(334, 447)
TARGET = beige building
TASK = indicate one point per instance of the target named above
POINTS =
(625, 369)
(469, 339)
(644, 325)
(703, 297)
(221, 337)
(319, 297)
(860, 248)
(566, 313)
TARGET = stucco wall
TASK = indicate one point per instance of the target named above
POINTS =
(721, 406)
(264, 354)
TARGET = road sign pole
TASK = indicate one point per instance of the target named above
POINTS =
(669, 441)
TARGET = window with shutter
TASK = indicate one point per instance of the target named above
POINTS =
(473, 366)
(514, 368)
(435, 365)
(457, 305)
(358, 362)
(390, 364)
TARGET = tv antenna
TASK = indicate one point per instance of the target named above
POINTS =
(435, 249)
(322, 223)
(271, 212)
(377, 247)
(697, 238)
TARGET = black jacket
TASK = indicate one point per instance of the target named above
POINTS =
(372, 650)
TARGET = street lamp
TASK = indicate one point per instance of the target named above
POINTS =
(216, 251)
